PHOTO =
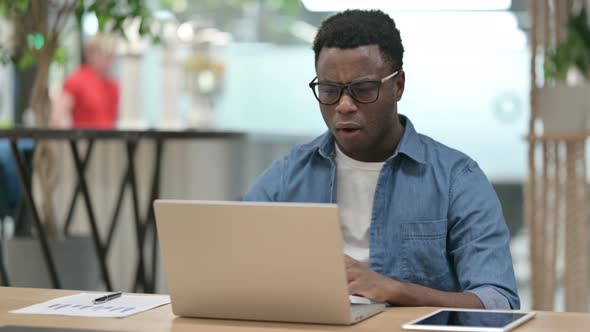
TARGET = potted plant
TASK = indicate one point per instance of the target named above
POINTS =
(38, 28)
(564, 100)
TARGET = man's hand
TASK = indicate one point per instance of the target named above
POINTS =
(365, 282)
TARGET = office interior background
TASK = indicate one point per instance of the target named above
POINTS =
(243, 66)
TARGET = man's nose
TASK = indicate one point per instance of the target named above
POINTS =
(346, 104)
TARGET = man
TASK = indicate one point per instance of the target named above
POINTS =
(422, 225)
(90, 98)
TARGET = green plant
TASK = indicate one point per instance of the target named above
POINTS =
(573, 52)
(39, 25)
(42, 35)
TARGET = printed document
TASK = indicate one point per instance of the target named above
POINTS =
(81, 305)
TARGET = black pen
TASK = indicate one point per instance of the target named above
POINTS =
(106, 298)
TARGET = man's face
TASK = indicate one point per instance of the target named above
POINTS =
(365, 132)
(101, 61)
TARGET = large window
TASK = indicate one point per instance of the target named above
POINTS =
(467, 83)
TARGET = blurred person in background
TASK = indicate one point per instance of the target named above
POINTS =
(90, 97)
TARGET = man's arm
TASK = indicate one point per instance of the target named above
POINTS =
(362, 281)
(478, 240)
(477, 244)
(268, 186)
(61, 113)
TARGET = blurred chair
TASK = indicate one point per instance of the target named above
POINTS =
(11, 204)
(9, 180)
(4, 212)
(511, 198)
(9, 177)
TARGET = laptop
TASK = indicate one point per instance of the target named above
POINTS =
(256, 261)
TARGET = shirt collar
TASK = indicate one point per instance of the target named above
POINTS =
(410, 144)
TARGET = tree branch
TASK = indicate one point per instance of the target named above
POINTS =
(68, 10)
(61, 10)
(34, 10)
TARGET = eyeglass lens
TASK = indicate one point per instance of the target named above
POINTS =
(364, 92)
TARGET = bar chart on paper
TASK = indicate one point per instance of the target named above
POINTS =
(81, 305)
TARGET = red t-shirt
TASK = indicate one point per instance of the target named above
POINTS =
(96, 99)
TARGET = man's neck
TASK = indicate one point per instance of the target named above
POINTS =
(388, 145)
(98, 72)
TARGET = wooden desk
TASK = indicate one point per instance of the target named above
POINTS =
(162, 319)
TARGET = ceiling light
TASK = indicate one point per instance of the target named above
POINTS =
(404, 5)
(185, 32)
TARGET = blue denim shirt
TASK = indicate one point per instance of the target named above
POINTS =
(436, 219)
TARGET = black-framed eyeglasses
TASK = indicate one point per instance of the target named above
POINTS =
(365, 92)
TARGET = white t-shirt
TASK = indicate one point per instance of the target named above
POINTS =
(355, 189)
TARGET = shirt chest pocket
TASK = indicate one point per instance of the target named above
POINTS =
(424, 251)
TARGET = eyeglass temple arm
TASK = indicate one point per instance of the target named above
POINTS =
(388, 76)
(312, 81)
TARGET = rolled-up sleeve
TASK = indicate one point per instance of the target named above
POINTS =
(479, 240)
(491, 298)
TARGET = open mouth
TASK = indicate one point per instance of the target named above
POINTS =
(350, 130)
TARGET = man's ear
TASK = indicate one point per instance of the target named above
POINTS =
(399, 84)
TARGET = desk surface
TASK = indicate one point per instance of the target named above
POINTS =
(162, 319)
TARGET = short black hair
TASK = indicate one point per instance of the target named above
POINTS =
(354, 28)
